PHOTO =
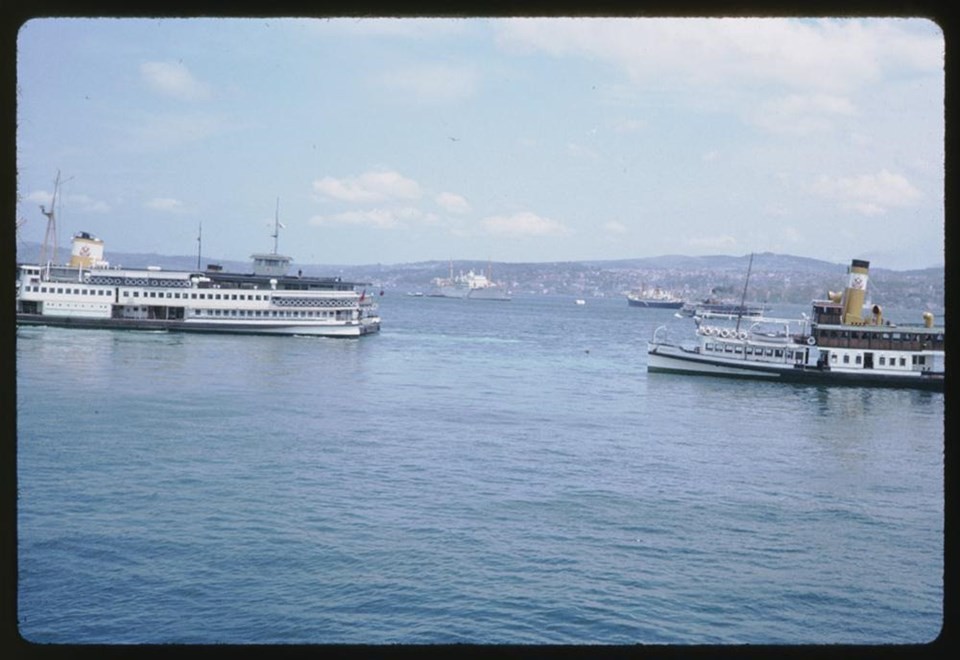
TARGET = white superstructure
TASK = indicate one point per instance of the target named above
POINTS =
(838, 346)
(88, 293)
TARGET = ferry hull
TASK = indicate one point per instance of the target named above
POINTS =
(470, 294)
(246, 328)
(665, 358)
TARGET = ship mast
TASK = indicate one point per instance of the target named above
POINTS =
(50, 237)
(276, 226)
(199, 242)
(743, 297)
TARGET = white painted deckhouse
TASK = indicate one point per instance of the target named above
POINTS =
(839, 345)
(89, 293)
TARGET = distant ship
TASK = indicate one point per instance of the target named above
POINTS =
(468, 286)
(655, 298)
(715, 306)
(840, 346)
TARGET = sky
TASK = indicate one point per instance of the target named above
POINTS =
(398, 140)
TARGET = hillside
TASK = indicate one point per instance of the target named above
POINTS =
(776, 278)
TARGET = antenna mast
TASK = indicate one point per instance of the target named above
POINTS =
(276, 226)
(199, 243)
(50, 237)
(743, 297)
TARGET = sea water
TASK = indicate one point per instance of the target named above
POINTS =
(480, 472)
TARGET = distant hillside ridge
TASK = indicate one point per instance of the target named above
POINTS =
(775, 278)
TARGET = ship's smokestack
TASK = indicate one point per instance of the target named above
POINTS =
(86, 251)
(928, 319)
(855, 292)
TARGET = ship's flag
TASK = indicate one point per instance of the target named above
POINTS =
(363, 294)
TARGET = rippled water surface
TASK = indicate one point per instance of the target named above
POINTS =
(478, 472)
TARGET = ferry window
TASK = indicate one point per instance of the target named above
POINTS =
(779, 352)
(833, 357)
(217, 296)
(883, 361)
(859, 359)
(233, 297)
(846, 359)
(903, 362)
(768, 352)
(738, 349)
(136, 294)
(193, 296)
(59, 290)
(922, 359)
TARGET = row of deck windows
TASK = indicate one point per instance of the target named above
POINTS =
(256, 313)
(749, 350)
(197, 296)
(69, 290)
(890, 336)
(147, 294)
(883, 360)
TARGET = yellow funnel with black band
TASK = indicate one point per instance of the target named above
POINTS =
(855, 292)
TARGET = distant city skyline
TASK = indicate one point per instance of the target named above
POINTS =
(511, 140)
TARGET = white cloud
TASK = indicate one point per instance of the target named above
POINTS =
(173, 79)
(165, 204)
(73, 202)
(630, 126)
(581, 151)
(828, 54)
(452, 202)
(791, 234)
(720, 243)
(868, 194)
(523, 224)
(375, 186)
(170, 131)
(382, 218)
(85, 203)
(614, 227)
(802, 114)
(434, 83)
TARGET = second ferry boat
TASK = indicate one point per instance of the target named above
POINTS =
(838, 346)
(88, 293)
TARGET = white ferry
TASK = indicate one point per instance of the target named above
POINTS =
(656, 298)
(837, 346)
(88, 293)
(468, 286)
